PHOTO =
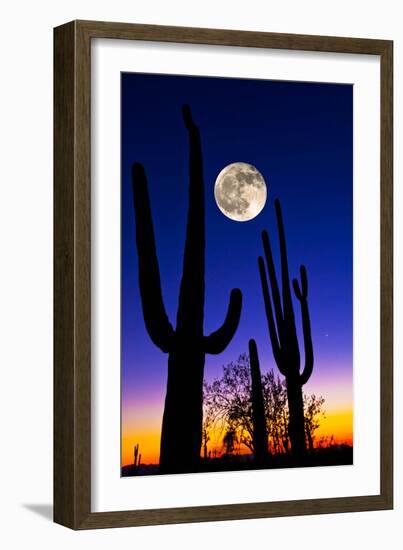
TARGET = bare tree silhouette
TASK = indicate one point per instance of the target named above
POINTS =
(227, 401)
(312, 412)
(283, 332)
(181, 434)
(275, 393)
(228, 405)
(229, 440)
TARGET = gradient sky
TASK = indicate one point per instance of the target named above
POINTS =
(299, 136)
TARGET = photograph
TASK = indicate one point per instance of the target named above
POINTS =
(236, 274)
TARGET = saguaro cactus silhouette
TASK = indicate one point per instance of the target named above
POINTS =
(136, 458)
(258, 412)
(283, 332)
(181, 434)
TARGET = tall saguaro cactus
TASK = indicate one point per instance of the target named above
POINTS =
(181, 434)
(283, 332)
(258, 412)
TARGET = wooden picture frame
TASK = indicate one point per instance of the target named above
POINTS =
(72, 268)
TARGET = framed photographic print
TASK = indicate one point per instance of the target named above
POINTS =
(223, 275)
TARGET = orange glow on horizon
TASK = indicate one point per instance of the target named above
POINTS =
(337, 423)
(149, 446)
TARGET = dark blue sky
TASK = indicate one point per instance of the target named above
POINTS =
(299, 136)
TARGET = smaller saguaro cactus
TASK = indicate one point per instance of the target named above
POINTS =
(258, 411)
(136, 458)
(283, 331)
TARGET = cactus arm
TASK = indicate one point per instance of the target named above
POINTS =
(287, 302)
(302, 294)
(155, 316)
(273, 280)
(270, 318)
(217, 341)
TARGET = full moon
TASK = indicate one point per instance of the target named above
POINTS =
(240, 191)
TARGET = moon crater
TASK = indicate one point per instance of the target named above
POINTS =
(240, 191)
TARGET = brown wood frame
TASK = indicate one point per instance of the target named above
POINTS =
(72, 293)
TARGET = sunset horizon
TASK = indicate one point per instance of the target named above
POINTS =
(338, 422)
